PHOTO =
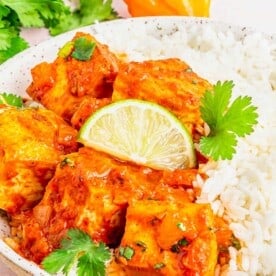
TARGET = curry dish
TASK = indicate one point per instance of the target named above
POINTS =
(49, 183)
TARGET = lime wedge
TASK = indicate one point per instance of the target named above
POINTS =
(141, 132)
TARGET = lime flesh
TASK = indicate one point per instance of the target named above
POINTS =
(141, 132)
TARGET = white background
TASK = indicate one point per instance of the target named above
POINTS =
(259, 14)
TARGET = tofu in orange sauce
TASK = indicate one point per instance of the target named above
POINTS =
(62, 85)
(168, 238)
(168, 82)
(32, 142)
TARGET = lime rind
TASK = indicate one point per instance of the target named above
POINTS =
(133, 135)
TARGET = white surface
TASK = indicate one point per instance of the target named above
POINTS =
(259, 14)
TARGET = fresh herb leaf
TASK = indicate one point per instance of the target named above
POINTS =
(221, 146)
(235, 242)
(66, 50)
(15, 46)
(25, 13)
(175, 248)
(226, 122)
(83, 49)
(67, 162)
(11, 100)
(142, 245)
(89, 12)
(181, 226)
(33, 13)
(78, 247)
(183, 242)
(10, 42)
(159, 266)
(126, 252)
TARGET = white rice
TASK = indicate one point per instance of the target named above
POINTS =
(242, 190)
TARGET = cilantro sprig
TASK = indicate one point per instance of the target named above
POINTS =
(52, 14)
(80, 49)
(11, 100)
(226, 121)
(25, 13)
(89, 12)
(83, 49)
(78, 248)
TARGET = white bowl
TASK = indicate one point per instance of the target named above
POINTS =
(122, 36)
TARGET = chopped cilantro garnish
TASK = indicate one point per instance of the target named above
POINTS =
(226, 122)
(83, 48)
(78, 247)
(183, 242)
(142, 245)
(80, 49)
(159, 266)
(181, 226)
(126, 252)
(235, 242)
(11, 100)
(67, 162)
(66, 49)
(175, 248)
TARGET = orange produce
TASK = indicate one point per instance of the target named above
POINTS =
(165, 7)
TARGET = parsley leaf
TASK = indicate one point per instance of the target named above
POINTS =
(89, 12)
(226, 122)
(78, 247)
(11, 100)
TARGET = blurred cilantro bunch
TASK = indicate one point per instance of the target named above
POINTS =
(54, 15)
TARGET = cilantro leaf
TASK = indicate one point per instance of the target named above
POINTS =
(25, 13)
(78, 247)
(219, 146)
(98, 268)
(89, 12)
(215, 103)
(4, 11)
(6, 35)
(11, 99)
(226, 122)
(242, 116)
(83, 48)
(16, 45)
(80, 49)
(33, 13)
(59, 260)
(10, 41)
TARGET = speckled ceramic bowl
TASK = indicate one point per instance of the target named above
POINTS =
(124, 35)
